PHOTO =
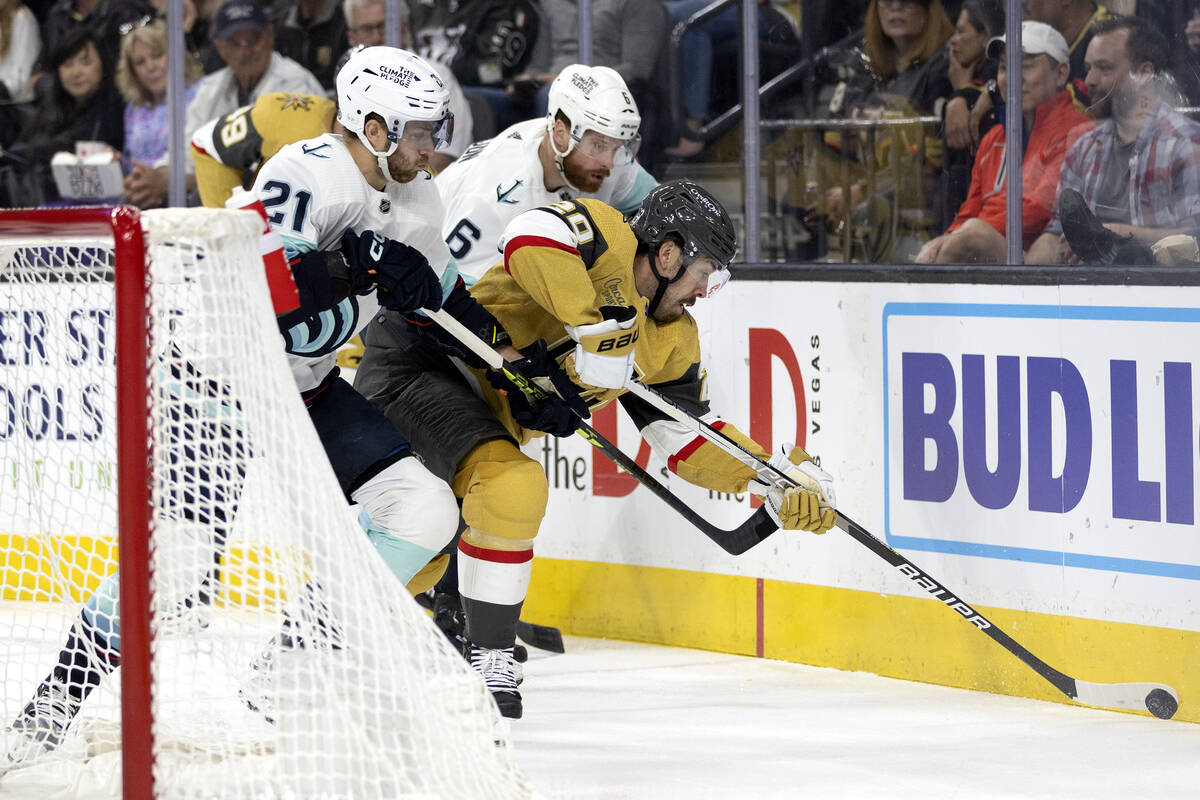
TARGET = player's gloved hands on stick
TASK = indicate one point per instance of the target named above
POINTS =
(605, 349)
(559, 410)
(809, 506)
(402, 276)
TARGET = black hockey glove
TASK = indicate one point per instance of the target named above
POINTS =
(557, 412)
(402, 276)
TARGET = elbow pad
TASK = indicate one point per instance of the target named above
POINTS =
(604, 350)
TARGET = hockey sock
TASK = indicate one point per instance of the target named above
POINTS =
(84, 660)
(492, 584)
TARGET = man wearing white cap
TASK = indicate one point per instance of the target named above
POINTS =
(1051, 125)
(1135, 178)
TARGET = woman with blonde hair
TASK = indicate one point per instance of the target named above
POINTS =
(20, 44)
(142, 80)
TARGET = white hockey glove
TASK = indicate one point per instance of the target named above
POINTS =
(809, 506)
(605, 350)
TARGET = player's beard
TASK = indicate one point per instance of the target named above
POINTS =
(581, 178)
(404, 167)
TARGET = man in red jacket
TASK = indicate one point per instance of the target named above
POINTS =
(1051, 126)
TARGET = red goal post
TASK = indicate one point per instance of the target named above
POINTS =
(219, 483)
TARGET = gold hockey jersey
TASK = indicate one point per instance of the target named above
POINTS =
(561, 263)
(229, 149)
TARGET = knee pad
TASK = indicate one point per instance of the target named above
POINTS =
(503, 491)
(409, 515)
(428, 576)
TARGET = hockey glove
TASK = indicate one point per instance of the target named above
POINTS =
(809, 506)
(402, 276)
(605, 350)
(549, 401)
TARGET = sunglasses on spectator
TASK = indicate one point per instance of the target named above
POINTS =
(126, 27)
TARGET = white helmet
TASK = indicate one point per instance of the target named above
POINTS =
(400, 87)
(594, 99)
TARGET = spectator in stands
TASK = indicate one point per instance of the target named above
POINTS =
(969, 70)
(78, 103)
(900, 71)
(102, 17)
(485, 42)
(20, 44)
(196, 29)
(245, 41)
(1051, 123)
(629, 36)
(1139, 170)
(697, 54)
(142, 80)
(1074, 19)
(313, 33)
(1185, 64)
(365, 21)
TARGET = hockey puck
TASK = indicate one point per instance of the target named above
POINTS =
(1161, 704)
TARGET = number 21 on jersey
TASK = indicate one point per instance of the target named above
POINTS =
(278, 193)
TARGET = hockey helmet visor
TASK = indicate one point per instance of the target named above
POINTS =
(598, 146)
(425, 134)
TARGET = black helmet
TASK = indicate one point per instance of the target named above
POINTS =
(684, 208)
(688, 210)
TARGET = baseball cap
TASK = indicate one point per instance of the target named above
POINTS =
(1036, 38)
(238, 15)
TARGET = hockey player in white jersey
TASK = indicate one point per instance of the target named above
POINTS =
(586, 146)
(361, 209)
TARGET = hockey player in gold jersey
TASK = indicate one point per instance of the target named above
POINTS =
(606, 300)
(229, 149)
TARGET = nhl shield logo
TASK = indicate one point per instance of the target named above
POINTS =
(385, 206)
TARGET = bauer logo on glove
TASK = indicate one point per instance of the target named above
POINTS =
(808, 504)
(605, 349)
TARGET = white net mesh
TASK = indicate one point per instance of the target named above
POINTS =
(266, 593)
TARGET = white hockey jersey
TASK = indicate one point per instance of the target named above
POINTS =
(497, 179)
(314, 192)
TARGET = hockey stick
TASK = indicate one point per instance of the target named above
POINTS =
(543, 637)
(735, 542)
(1159, 699)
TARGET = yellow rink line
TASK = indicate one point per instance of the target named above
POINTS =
(900, 637)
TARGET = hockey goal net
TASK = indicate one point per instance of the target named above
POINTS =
(146, 406)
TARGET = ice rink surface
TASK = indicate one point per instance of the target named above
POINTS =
(617, 721)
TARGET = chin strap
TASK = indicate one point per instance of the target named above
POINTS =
(663, 283)
(560, 158)
(380, 157)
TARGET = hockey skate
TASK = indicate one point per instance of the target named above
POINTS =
(502, 673)
(285, 654)
(41, 726)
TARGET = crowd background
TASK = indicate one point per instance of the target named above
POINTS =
(873, 125)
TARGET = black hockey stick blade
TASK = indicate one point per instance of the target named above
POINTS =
(754, 529)
(1159, 699)
(543, 637)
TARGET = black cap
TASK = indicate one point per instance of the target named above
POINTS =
(238, 15)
